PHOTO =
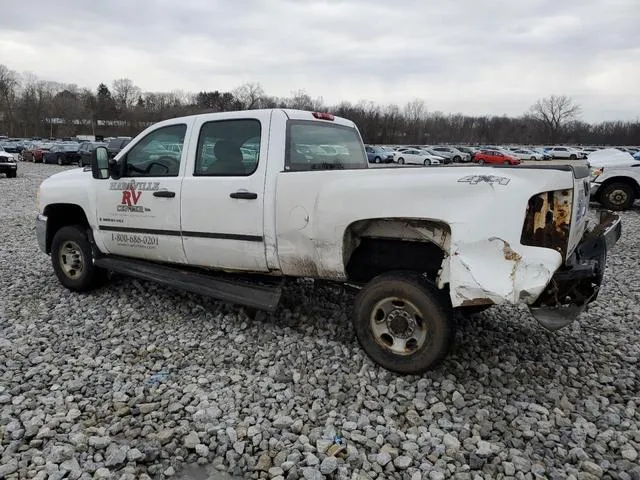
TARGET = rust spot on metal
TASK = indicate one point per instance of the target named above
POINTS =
(548, 220)
(510, 254)
(475, 302)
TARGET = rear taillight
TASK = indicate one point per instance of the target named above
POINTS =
(323, 116)
(548, 220)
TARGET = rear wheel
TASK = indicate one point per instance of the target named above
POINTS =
(403, 323)
(427, 162)
(481, 162)
(507, 162)
(401, 161)
(617, 196)
(377, 160)
(72, 259)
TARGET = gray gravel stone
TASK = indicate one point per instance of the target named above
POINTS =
(328, 465)
(402, 462)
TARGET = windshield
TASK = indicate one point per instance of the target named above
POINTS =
(322, 146)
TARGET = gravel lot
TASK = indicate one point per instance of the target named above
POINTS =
(137, 381)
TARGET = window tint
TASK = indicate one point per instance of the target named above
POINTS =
(150, 157)
(321, 146)
(228, 148)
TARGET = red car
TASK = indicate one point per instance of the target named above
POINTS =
(35, 154)
(494, 157)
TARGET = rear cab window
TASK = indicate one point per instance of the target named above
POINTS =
(313, 146)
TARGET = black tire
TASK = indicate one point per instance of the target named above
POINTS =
(401, 161)
(411, 291)
(533, 159)
(80, 163)
(427, 162)
(60, 160)
(11, 174)
(377, 160)
(617, 196)
(572, 157)
(457, 159)
(481, 162)
(507, 162)
(70, 247)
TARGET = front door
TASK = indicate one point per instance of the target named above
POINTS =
(223, 193)
(139, 214)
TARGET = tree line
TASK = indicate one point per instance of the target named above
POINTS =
(32, 107)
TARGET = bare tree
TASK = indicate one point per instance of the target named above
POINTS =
(125, 93)
(250, 95)
(9, 86)
(554, 113)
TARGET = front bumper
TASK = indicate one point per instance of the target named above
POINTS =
(41, 232)
(577, 283)
(8, 166)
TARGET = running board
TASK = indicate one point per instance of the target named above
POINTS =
(249, 293)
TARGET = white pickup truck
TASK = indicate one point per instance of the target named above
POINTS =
(615, 178)
(247, 200)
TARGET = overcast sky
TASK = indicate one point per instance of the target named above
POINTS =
(469, 56)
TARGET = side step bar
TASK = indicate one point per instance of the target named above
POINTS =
(241, 291)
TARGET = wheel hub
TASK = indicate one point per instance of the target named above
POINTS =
(400, 323)
(71, 259)
(618, 197)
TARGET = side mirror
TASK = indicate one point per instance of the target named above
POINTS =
(100, 163)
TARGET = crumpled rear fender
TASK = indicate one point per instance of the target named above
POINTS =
(492, 271)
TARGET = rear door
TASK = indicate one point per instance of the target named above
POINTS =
(223, 192)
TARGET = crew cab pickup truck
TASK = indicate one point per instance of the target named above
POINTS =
(615, 178)
(241, 208)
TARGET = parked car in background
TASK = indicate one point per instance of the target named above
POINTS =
(116, 144)
(413, 156)
(85, 150)
(615, 178)
(494, 157)
(63, 154)
(8, 164)
(565, 153)
(455, 154)
(526, 154)
(469, 150)
(13, 145)
(378, 154)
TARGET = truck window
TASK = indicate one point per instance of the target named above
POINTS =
(228, 148)
(148, 158)
(322, 146)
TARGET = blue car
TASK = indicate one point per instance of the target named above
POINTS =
(378, 155)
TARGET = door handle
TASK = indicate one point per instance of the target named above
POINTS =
(164, 194)
(244, 195)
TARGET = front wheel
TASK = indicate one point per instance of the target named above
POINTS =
(617, 196)
(533, 159)
(80, 164)
(457, 159)
(60, 161)
(572, 157)
(482, 162)
(507, 162)
(427, 162)
(401, 161)
(403, 323)
(377, 160)
(72, 259)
